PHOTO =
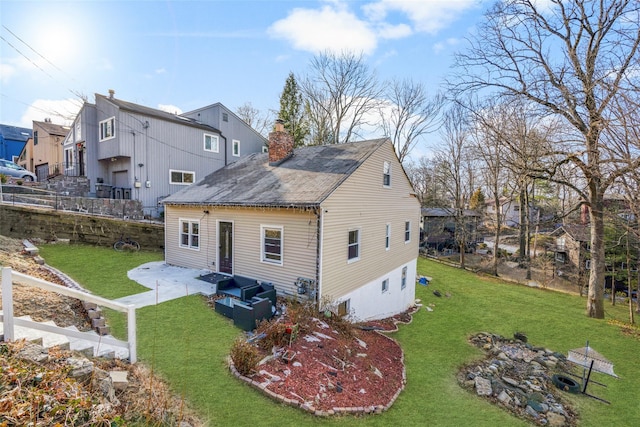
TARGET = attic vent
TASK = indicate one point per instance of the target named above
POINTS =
(225, 117)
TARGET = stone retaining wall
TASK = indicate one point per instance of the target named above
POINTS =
(24, 222)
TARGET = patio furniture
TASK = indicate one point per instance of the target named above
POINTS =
(247, 313)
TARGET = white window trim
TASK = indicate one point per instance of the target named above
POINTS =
(69, 158)
(113, 128)
(215, 138)
(385, 285)
(387, 237)
(190, 245)
(171, 171)
(386, 165)
(405, 232)
(235, 144)
(359, 244)
(403, 277)
(263, 258)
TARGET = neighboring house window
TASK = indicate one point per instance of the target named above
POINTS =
(354, 245)
(407, 231)
(108, 129)
(272, 244)
(403, 279)
(236, 148)
(587, 264)
(35, 137)
(385, 285)
(211, 143)
(344, 307)
(387, 237)
(189, 234)
(265, 149)
(561, 257)
(181, 177)
(386, 174)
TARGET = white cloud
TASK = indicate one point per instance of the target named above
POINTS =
(334, 27)
(60, 111)
(7, 71)
(331, 28)
(388, 31)
(428, 16)
(160, 71)
(168, 108)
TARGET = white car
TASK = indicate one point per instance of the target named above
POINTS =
(10, 169)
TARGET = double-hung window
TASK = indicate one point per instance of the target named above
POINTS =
(181, 177)
(211, 143)
(272, 244)
(353, 246)
(403, 278)
(107, 129)
(189, 234)
(386, 174)
(407, 231)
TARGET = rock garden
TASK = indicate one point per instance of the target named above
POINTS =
(522, 379)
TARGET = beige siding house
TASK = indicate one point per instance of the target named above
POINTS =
(336, 222)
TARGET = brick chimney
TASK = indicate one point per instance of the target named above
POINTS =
(280, 144)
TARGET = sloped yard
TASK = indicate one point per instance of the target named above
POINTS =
(188, 343)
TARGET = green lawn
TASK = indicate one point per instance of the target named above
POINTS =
(187, 343)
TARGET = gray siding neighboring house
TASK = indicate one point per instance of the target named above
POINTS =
(129, 151)
(342, 217)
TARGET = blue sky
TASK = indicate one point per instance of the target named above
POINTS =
(182, 55)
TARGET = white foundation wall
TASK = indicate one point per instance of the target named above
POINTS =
(368, 302)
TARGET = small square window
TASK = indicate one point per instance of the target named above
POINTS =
(344, 307)
(189, 234)
(385, 285)
(211, 143)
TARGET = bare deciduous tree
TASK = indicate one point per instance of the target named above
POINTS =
(341, 93)
(573, 59)
(259, 121)
(408, 113)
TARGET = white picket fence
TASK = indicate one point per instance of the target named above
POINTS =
(9, 322)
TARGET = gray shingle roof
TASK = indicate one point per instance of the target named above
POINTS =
(304, 180)
(163, 115)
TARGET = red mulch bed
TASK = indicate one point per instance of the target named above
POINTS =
(331, 370)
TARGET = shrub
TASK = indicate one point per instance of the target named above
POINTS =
(245, 356)
(3, 178)
(274, 334)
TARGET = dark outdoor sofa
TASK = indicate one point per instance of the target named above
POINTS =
(246, 316)
(246, 288)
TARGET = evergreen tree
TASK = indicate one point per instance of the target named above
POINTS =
(477, 200)
(292, 111)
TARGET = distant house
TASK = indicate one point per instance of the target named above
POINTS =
(337, 222)
(12, 141)
(440, 227)
(129, 151)
(572, 248)
(43, 153)
(509, 209)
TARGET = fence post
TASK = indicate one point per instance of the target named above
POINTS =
(7, 304)
(131, 328)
